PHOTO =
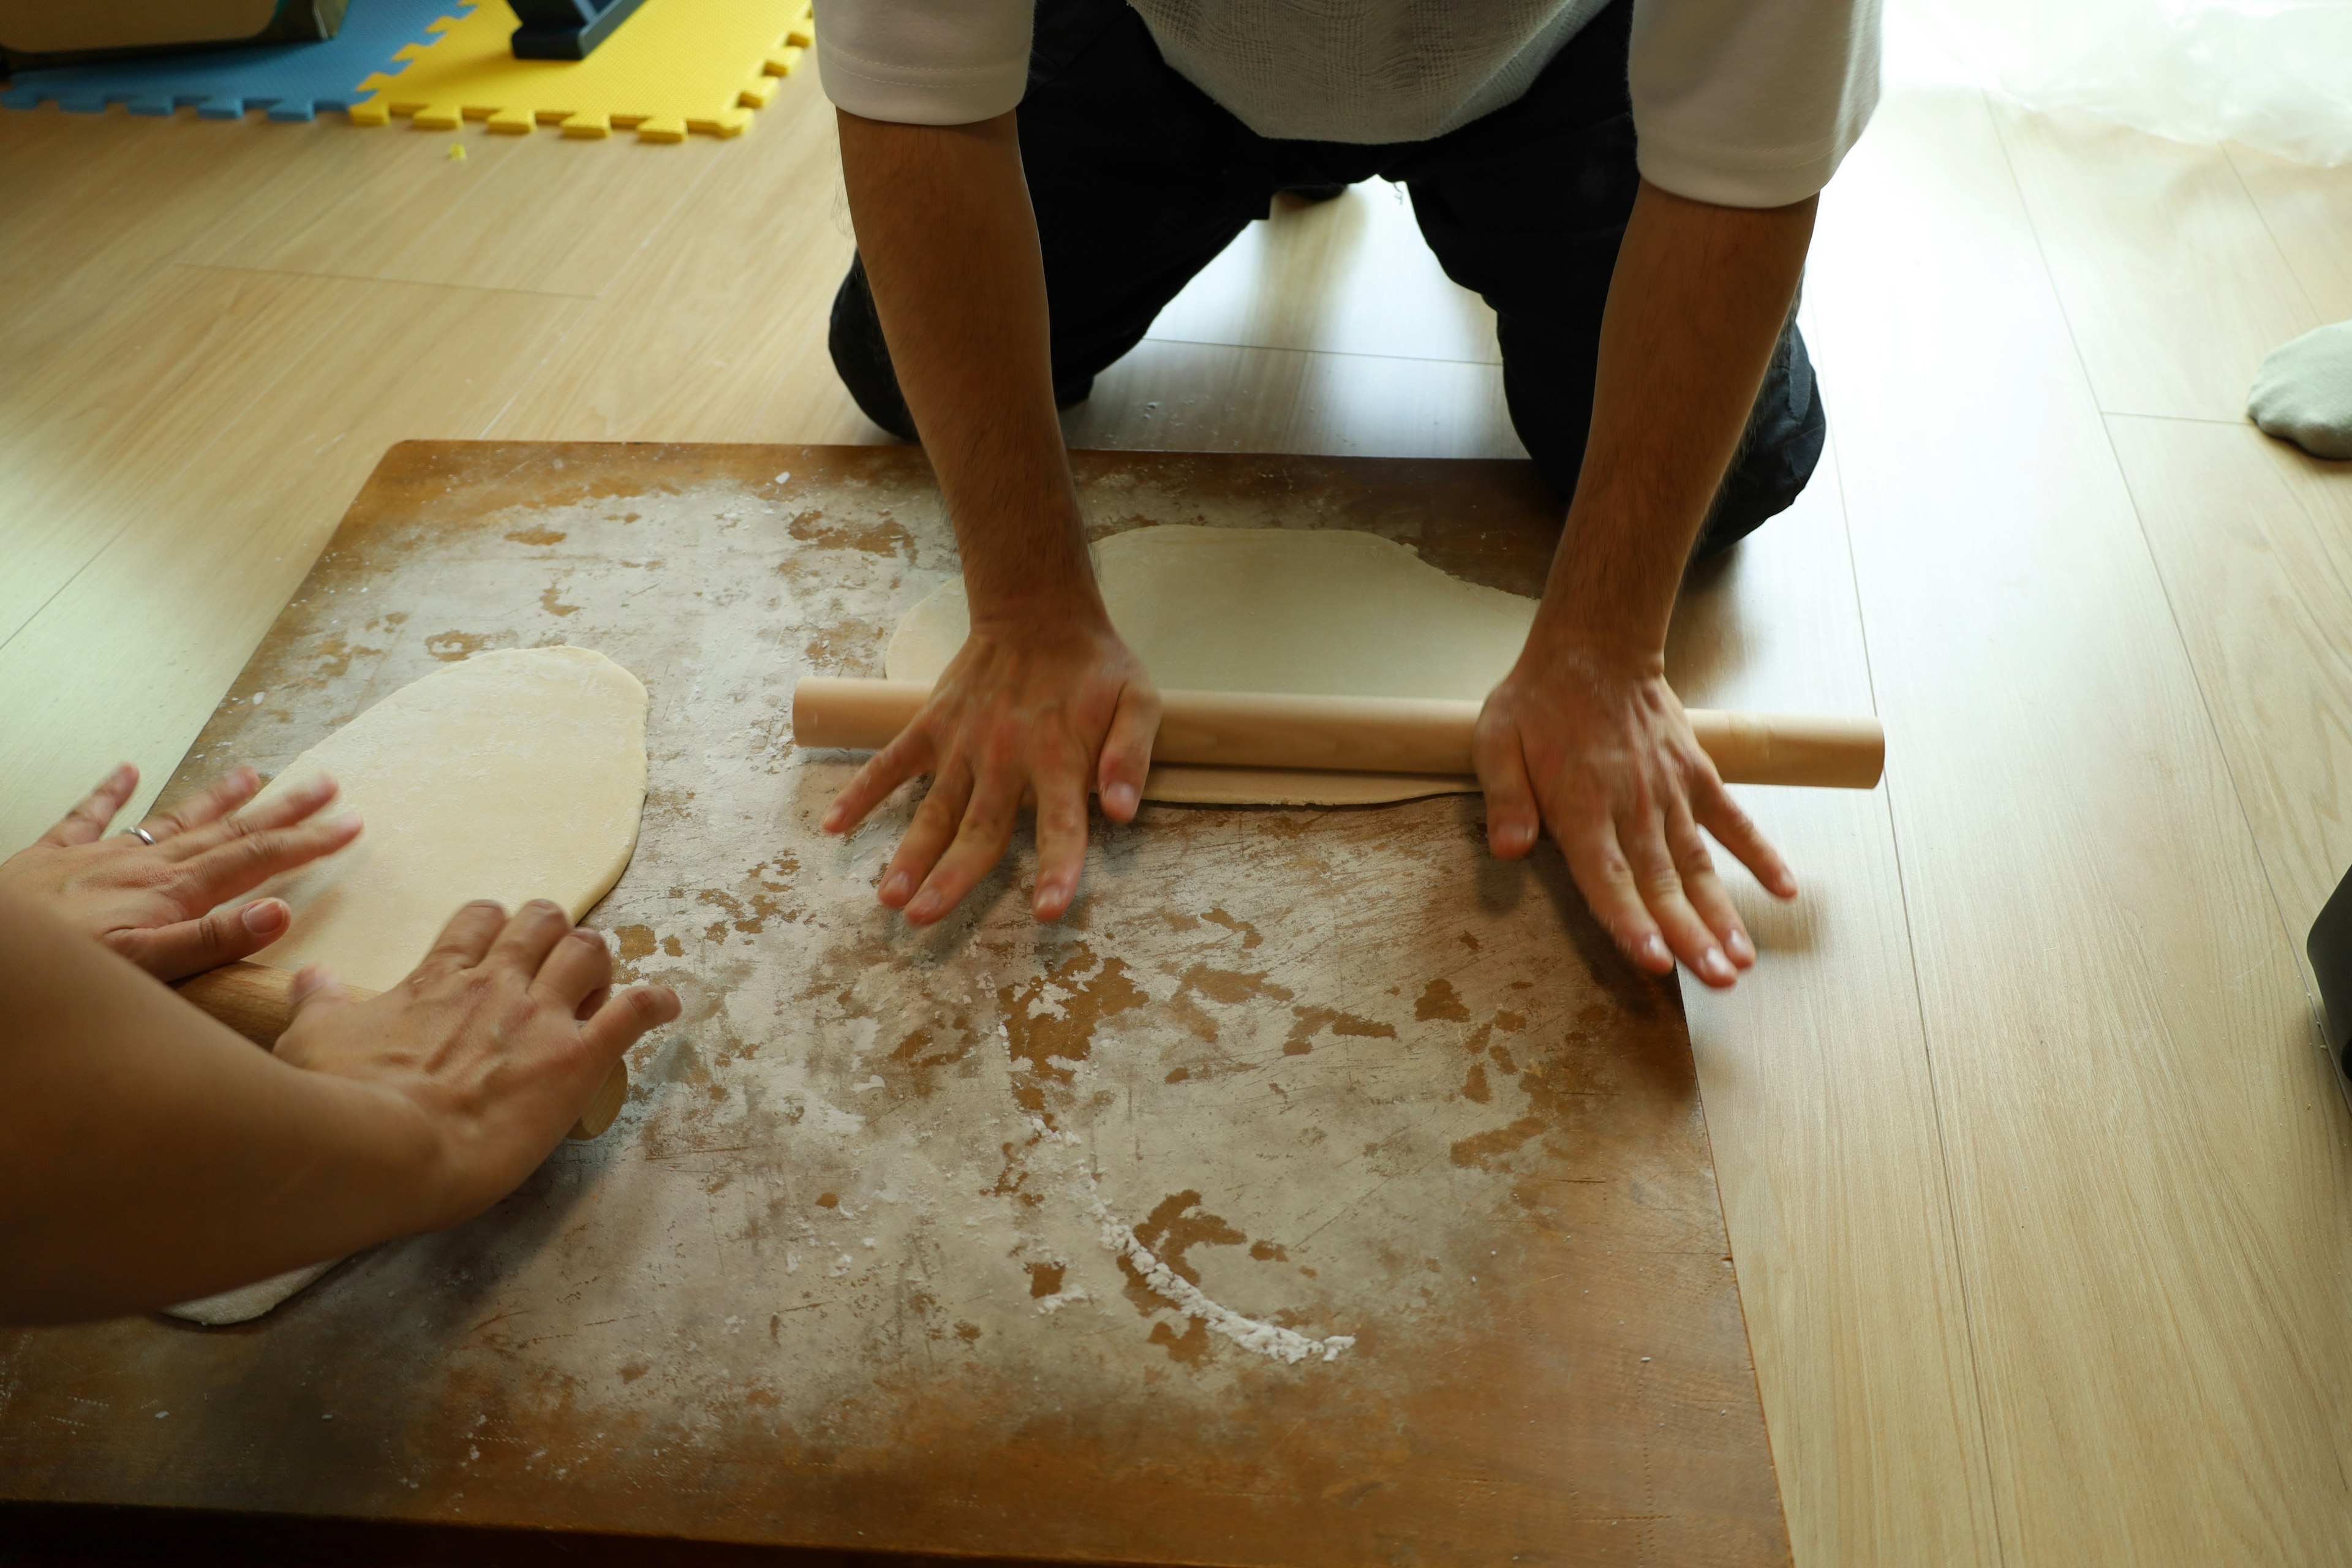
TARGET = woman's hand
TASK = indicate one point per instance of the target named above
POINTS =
(155, 904)
(486, 1052)
(152, 1156)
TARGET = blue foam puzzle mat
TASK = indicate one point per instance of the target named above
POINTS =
(290, 81)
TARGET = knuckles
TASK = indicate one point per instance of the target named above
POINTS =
(214, 942)
(598, 956)
(643, 1009)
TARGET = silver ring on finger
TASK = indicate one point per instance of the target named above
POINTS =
(142, 835)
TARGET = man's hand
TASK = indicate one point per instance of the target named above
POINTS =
(1044, 697)
(1597, 750)
(1036, 712)
(1584, 736)
(488, 1051)
(155, 904)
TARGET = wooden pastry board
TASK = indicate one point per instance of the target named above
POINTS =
(843, 1274)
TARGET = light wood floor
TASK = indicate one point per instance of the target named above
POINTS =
(2040, 1186)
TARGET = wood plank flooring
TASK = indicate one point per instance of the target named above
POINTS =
(2035, 1176)
(2141, 1142)
(1820, 1097)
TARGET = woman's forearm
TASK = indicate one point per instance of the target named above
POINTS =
(156, 1156)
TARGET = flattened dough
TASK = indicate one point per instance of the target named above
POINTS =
(514, 776)
(1327, 611)
(248, 1302)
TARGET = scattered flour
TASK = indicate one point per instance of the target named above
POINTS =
(1254, 1335)
(1266, 1338)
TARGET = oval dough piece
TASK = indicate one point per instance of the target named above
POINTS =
(1328, 612)
(514, 776)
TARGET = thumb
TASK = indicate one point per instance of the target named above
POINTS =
(1126, 761)
(189, 947)
(318, 992)
(316, 996)
(1514, 820)
(624, 1018)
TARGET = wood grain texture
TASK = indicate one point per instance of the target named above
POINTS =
(2150, 1177)
(87, 439)
(205, 534)
(2308, 213)
(1172, 396)
(1326, 277)
(852, 1273)
(2173, 288)
(539, 214)
(98, 204)
(1822, 1096)
(693, 339)
(2254, 542)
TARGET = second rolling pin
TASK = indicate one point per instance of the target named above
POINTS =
(1367, 734)
(258, 1002)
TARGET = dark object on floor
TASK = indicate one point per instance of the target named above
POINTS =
(2331, 965)
(566, 29)
(45, 1535)
(36, 33)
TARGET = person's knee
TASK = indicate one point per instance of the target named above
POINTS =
(862, 358)
(1778, 452)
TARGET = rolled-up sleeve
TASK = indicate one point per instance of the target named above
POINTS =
(1750, 103)
(924, 62)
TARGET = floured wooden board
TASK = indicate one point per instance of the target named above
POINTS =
(1322, 1192)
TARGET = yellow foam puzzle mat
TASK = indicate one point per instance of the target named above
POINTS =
(677, 66)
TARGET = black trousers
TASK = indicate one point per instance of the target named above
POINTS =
(1139, 179)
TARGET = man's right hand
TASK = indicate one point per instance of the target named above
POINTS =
(1043, 699)
(1039, 711)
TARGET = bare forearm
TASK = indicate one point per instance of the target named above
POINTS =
(1698, 298)
(951, 248)
(1043, 701)
(159, 1157)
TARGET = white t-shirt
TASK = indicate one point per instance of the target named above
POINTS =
(1743, 102)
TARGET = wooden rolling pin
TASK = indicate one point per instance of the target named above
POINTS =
(1367, 734)
(258, 1002)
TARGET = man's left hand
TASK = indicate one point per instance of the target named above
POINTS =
(1592, 744)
